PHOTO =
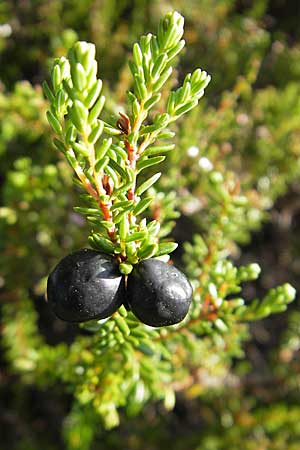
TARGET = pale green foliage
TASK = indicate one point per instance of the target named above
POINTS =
(225, 192)
(109, 168)
(124, 363)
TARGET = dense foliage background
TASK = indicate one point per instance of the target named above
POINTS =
(238, 157)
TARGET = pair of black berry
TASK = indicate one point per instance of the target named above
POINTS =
(87, 285)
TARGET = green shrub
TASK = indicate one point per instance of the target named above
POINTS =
(235, 154)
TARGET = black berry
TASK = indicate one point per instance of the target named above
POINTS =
(85, 285)
(158, 294)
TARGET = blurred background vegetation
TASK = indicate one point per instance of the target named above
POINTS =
(248, 128)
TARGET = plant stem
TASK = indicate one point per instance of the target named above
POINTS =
(99, 191)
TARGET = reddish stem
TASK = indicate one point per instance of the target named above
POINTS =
(130, 194)
(103, 206)
(131, 154)
(132, 158)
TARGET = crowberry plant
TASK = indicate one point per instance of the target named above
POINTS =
(109, 161)
(234, 154)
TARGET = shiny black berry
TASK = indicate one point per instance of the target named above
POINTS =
(158, 293)
(85, 285)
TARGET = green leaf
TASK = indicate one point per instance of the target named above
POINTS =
(81, 149)
(152, 101)
(70, 91)
(121, 323)
(164, 248)
(60, 145)
(93, 94)
(221, 325)
(176, 49)
(101, 164)
(141, 89)
(94, 220)
(56, 78)
(122, 189)
(92, 74)
(70, 155)
(102, 149)
(121, 205)
(113, 174)
(96, 132)
(161, 120)
(85, 53)
(101, 243)
(148, 129)
(187, 107)
(145, 43)
(166, 134)
(78, 76)
(147, 184)
(136, 107)
(183, 93)
(171, 102)
(64, 65)
(111, 130)
(136, 236)
(170, 29)
(123, 227)
(120, 151)
(78, 115)
(159, 65)
(133, 68)
(147, 251)
(106, 224)
(156, 149)
(96, 110)
(147, 65)
(143, 163)
(137, 54)
(146, 348)
(54, 122)
(87, 211)
(122, 172)
(118, 217)
(154, 47)
(60, 100)
(162, 79)
(142, 205)
(123, 311)
(196, 76)
(131, 252)
(71, 134)
(198, 88)
(47, 91)
(153, 227)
